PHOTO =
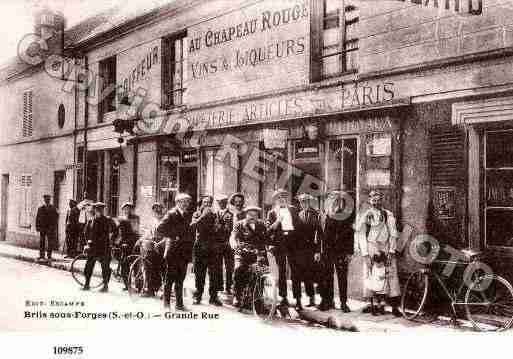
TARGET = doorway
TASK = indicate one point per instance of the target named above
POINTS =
(188, 182)
(4, 206)
(342, 166)
(60, 202)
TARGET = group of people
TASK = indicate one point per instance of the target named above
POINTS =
(225, 242)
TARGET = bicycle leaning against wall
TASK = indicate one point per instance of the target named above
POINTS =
(486, 299)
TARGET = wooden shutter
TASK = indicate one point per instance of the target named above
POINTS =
(316, 28)
(24, 201)
(447, 157)
(27, 114)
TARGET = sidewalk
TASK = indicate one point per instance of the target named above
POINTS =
(355, 321)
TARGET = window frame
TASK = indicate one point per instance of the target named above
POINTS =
(319, 18)
(108, 102)
(168, 69)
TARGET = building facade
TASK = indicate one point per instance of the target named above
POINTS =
(312, 96)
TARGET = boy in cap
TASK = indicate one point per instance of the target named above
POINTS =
(99, 233)
(46, 224)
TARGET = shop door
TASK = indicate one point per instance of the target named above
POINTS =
(4, 203)
(342, 166)
(188, 183)
(94, 180)
(307, 176)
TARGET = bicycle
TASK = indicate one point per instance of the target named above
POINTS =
(121, 255)
(488, 300)
(260, 294)
(138, 278)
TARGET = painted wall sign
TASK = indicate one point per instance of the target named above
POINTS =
(255, 49)
(332, 100)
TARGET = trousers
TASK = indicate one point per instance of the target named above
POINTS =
(227, 256)
(330, 264)
(105, 264)
(45, 244)
(207, 260)
(301, 271)
(176, 270)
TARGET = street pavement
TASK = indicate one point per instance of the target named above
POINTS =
(29, 289)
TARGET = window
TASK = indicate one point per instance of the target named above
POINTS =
(107, 87)
(335, 42)
(499, 188)
(61, 116)
(27, 114)
(174, 70)
(24, 201)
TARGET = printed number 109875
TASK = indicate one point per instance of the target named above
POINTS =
(68, 350)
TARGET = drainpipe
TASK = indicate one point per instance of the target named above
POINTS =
(86, 126)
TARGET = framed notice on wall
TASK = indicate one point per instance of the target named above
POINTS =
(444, 202)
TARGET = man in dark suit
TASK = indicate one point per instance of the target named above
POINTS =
(248, 240)
(72, 229)
(303, 254)
(176, 226)
(128, 229)
(283, 226)
(206, 254)
(46, 224)
(99, 232)
(336, 247)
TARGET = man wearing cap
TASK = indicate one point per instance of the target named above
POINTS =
(377, 234)
(150, 246)
(47, 219)
(72, 229)
(128, 228)
(176, 226)
(226, 219)
(283, 226)
(303, 256)
(336, 247)
(206, 254)
(99, 233)
(248, 240)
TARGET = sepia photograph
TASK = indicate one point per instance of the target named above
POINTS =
(291, 170)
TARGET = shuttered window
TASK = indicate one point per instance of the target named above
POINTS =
(27, 125)
(174, 70)
(447, 157)
(108, 87)
(24, 200)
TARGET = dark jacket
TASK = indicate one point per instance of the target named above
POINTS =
(127, 233)
(47, 219)
(99, 231)
(177, 228)
(204, 226)
(249, 238)
(309, 230)
(72, 224)
(226, 219)
(276, 234)
(337, 235)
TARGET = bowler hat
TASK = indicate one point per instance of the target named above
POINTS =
(127, 204)
(305, 197)
(47, 196)
(221, 197)
(182, 196)
(252, 208)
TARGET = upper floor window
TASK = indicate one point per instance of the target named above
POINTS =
(334, 38)
(174, 71)
(107, 87)
(27, 124)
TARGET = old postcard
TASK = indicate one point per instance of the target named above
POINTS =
(282, 169)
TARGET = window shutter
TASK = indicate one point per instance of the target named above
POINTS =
(316, 11)
(27, 114)
(24, 201)
(447, 157)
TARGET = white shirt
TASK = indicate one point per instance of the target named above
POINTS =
(286, 219)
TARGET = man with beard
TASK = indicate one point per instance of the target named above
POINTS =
(176, 226)
(206, 255)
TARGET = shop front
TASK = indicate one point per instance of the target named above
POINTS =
(489, 124)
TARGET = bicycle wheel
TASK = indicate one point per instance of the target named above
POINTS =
(489, 303)
(77, 272)
(265, 297)
(414, 294)
(136, 278)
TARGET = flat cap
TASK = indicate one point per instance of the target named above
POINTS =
(280, 193)
(305, 197)
(157, 205)
(252, 208)
(182, 196)
(127, 204)
(99, 205)
(221, 197)
(375, 193)
(46, 195)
